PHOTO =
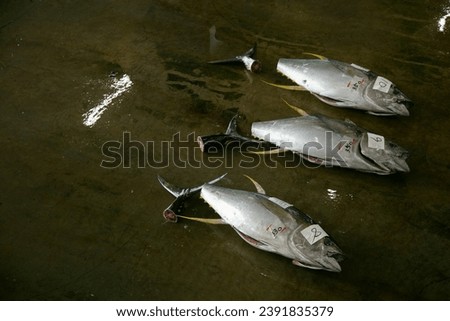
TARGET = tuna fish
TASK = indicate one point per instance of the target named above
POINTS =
(324, 141)
(341, 84)
(272, 225)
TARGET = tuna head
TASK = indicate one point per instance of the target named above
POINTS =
(387, 98)
(386, 155)
(314, 249)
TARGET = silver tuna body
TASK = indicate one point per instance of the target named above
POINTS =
(346, 85)
(330, 142)
(275, 226)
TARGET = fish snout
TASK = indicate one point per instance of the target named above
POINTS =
(399, 165)
(403, 106)
(331, 263)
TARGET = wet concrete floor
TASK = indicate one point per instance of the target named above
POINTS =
(71, 229)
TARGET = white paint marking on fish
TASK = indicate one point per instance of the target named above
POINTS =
(94, 114)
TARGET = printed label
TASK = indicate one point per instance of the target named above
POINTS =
(314, 233)
(382, 84)
(277, 201)
(375, 141)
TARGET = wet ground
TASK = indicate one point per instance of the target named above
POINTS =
(71, 229)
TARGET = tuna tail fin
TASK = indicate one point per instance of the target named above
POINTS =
(181, 194)
(232, 127)
(246, 58)
(231, 137)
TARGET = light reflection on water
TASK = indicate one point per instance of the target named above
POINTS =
(443, 19)
(119, 86)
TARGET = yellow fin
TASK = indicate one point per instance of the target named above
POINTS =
(259, 188)
(269, 152)
(316, 55)
(288, 87)
(204, 220)
(297, 109)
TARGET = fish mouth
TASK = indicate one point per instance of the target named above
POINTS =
(402, 109)
(389, 164)
(328, 263)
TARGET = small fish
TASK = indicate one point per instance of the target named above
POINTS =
(325, 141)
(272, 225)
(341, 84)
(251, 64)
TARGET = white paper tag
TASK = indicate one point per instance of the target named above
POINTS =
(382, 84)
(277, 201)
(375, 141)
(314, 233)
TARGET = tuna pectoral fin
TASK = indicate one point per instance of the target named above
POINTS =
(297, 109)
(250, 240)
(269, 152)
(294, 87)
(204, 220)
(331, 101)
(316, 55)
(259, 188)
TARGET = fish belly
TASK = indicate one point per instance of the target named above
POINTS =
(335, 80)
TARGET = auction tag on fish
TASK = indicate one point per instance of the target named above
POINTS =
(314, 233)
(382, 84)
(375, 141)
(277, 201)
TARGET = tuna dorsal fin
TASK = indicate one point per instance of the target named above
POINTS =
(316, 55)
(259, 188)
